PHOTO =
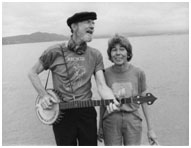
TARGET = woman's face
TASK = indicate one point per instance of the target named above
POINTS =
(119, 54)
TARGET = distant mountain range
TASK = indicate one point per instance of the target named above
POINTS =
(48, 37)
(33, 38)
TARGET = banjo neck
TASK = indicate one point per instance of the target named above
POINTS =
(83, 104)
(149, 99)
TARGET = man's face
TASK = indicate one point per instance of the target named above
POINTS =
(84, 30)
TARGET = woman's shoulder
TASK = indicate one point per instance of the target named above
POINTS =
(137, 69)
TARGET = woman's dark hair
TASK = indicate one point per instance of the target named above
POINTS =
(124, 42)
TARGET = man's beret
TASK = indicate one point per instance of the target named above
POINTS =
(81, 16)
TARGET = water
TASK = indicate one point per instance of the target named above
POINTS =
(165, 60)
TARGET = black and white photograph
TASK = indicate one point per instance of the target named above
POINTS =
(95, 73)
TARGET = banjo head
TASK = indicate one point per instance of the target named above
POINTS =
(48, 116)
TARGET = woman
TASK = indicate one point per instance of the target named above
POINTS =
(124, 127)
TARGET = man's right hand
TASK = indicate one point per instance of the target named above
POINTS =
(47, 102)
(113, 106)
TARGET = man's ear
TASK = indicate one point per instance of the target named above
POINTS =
(73, 26)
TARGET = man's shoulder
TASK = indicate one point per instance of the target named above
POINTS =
(56, 47)
(94, 50)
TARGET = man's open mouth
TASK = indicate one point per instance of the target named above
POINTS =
(90, 31)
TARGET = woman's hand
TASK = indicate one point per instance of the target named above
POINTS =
(152, 138)
(100, 134)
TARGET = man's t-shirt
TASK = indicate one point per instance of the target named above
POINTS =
(80, 70)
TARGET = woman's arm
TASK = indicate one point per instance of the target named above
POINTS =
(100, 128)
(150, 132)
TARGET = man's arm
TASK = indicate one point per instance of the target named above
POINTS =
(105, 92)
(36, 82)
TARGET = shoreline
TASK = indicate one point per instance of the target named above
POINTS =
(131, 35)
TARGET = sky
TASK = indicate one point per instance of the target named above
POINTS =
(113, 17)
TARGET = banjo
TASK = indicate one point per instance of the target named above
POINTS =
(53, 115)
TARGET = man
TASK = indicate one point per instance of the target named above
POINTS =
(72, 66)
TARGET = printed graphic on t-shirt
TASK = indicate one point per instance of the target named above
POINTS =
(76, 71)
(76, 59)
(122, 90)
(79, 71)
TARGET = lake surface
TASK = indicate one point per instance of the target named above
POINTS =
(165, 60)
